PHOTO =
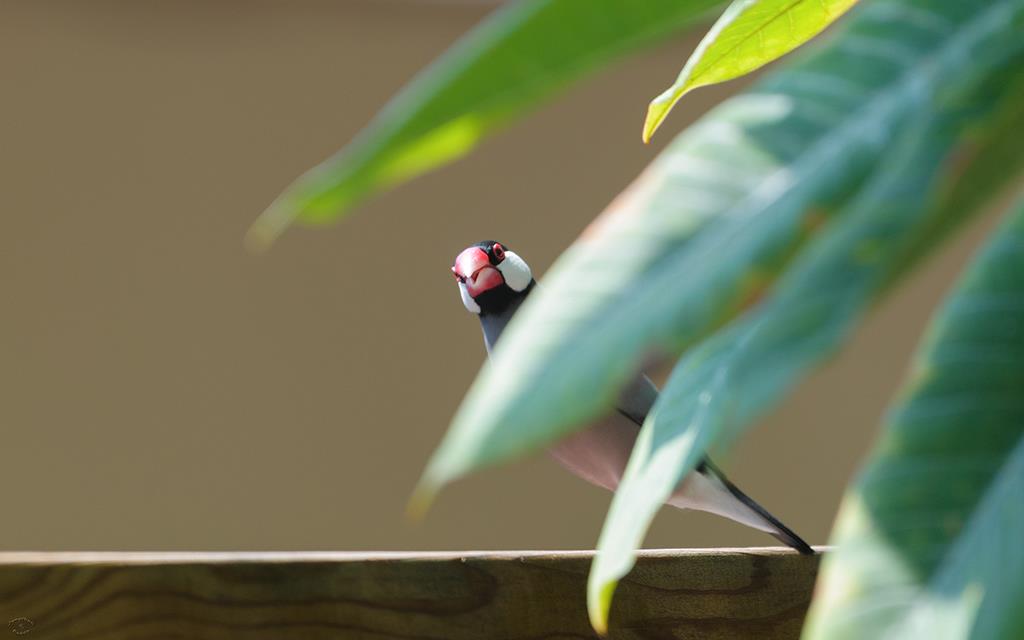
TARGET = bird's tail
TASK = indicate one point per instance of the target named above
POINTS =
(779, 531)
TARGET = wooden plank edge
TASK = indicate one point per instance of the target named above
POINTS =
(247, 557)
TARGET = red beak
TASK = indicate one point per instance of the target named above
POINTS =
(474, 268)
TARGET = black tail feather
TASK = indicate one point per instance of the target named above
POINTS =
(781, 532)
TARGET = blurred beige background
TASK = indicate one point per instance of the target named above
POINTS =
(163, 389)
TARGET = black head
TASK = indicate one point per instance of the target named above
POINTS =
(491, 277)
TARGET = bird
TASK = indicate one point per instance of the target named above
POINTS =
(493, 282)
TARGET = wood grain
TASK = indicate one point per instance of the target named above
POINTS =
(709, 594)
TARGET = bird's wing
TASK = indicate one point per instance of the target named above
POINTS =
(601, 452)
(636, 400)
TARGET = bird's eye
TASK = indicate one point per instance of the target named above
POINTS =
(498, 251)
(457, 276)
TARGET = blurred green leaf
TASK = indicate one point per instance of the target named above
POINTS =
(514, 59)
(715, 219)
(749, 35)
(929, 538)
(722, 384)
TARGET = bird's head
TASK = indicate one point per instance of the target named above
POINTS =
(491, 277)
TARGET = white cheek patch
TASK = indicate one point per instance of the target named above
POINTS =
(515, 271)
(467, 300)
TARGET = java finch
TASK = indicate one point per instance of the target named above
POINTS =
(493, 282)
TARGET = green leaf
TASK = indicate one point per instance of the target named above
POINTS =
(929, 537)
(514, 59)
(716, 218)
(749, 35)
(722, 384)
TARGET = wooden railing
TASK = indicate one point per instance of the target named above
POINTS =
(708, 594)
